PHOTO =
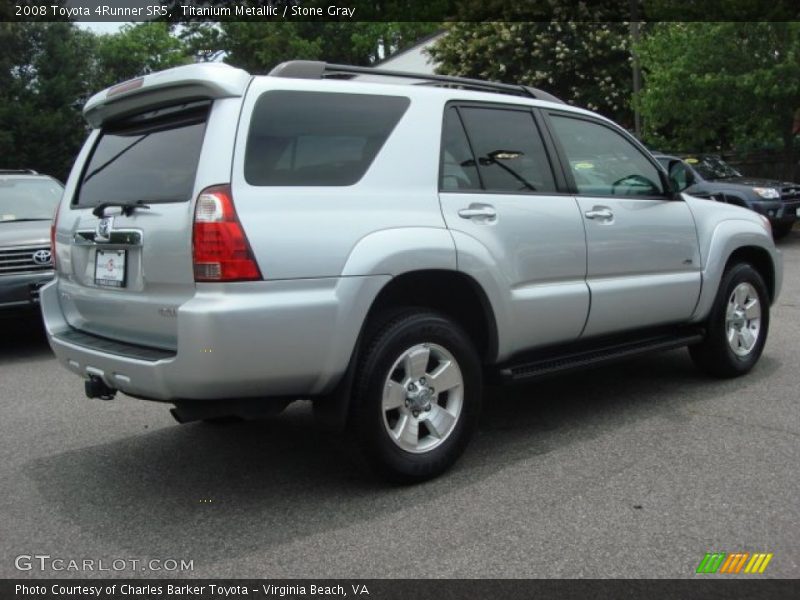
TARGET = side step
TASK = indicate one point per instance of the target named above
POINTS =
(555, 360)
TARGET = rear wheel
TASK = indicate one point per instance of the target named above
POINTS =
(417, 395)
(737, 326)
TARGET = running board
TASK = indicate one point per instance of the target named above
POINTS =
(558, 360)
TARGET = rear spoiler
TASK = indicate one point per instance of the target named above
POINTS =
(190, 82)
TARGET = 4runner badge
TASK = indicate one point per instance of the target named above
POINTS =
(103, 231)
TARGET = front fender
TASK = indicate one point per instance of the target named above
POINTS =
(717, 246)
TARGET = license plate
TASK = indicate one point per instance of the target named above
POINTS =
(797, 211)
(109, 268)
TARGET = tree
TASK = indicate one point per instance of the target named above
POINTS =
(713, 86)
(44, 73)
(257, 47)
(583, 63)
(48, 70)
(136, 50)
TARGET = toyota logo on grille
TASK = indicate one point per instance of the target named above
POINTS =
(42, 257)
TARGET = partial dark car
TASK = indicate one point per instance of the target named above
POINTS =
(708, 176)
(27, 203)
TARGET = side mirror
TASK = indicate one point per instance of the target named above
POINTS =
(680, 177)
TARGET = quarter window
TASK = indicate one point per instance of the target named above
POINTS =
(510, 153)
(317, 138)
(603, 162)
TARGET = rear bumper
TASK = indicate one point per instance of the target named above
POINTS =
(246, 340)
(19, 292)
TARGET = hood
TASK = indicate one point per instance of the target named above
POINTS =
(24, 233)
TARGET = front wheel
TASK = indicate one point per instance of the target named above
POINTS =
(417, 395)
(737, 326)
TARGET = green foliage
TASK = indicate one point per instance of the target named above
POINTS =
(257, 47)
(587, 64)
(39, 118)
(135, 50)
(711, 86)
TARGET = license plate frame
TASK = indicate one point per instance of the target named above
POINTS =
(111, 268)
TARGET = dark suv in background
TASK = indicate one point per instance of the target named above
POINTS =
(708, 176)
(27, 203)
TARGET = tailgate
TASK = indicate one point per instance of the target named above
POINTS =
(126, 271)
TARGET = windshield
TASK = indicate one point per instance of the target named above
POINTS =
(712, 167)
(25, 199)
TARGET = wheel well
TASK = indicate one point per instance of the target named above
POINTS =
(455, 294)
(761, 262)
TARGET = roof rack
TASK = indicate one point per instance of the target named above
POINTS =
(311, 69)
(18, 172)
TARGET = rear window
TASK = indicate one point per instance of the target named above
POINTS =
(151, 157)
(317, 138)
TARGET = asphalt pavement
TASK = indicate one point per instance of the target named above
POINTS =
(635, 470)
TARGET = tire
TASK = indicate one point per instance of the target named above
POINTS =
(781, 231)
(735, 337)
(417, 395)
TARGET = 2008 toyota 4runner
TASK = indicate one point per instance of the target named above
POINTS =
(228, 243)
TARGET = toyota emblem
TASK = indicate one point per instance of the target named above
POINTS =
(103, 231)
(42, 257)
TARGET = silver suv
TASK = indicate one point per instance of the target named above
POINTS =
(229, 243)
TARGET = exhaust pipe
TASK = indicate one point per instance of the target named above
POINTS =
(96, 388)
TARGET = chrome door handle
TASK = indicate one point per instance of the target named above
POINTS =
(478, 211)
(603, 214)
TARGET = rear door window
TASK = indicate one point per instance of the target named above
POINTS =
(317, 138)
(510, 153)
(151, 157)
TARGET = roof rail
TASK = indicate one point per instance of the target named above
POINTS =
(311, 69)
(18, 172)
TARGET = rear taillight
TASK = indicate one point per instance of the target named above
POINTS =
(220, 248)
(53, 226)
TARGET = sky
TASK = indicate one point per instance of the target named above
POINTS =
(98, 27)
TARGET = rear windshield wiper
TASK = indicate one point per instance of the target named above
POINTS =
(127, 207)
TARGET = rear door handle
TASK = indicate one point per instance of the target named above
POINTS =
(601, 213)
(478, 211)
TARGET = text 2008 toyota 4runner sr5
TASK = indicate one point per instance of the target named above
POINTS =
(229, 243)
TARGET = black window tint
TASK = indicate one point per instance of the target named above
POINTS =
(315, 138)
(510, 151)
(603, 162)
(459, 171)
(150, 161)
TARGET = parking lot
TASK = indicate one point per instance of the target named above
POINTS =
(635, 470)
